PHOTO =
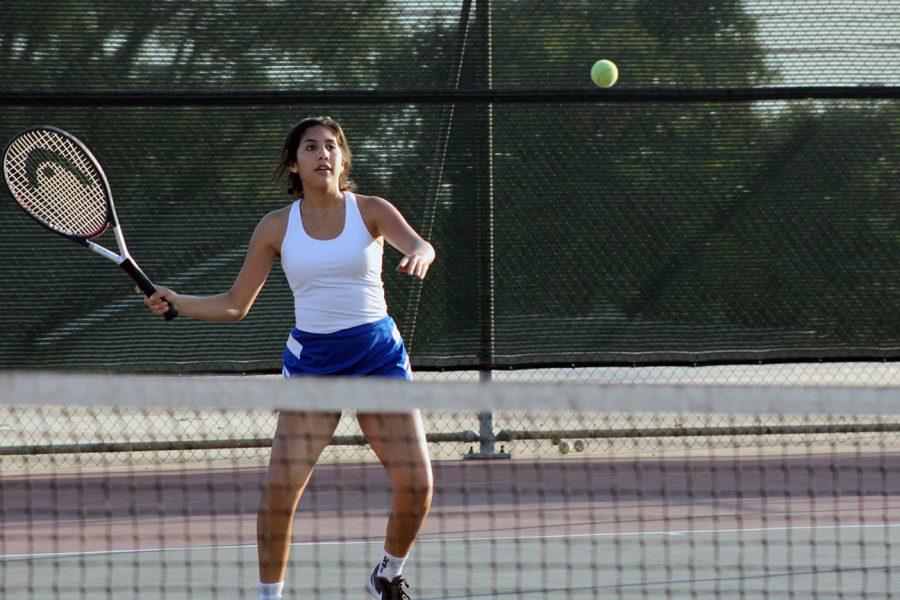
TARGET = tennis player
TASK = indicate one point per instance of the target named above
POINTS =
(330, 242)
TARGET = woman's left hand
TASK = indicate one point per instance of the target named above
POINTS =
(416, 265)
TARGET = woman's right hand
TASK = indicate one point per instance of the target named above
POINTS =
(160, 300)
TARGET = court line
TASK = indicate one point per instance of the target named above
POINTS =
(671, 533)
(667, 582)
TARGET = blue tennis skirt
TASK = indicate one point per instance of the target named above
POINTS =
(374, 349)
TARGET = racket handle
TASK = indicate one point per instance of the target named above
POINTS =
(145, 284)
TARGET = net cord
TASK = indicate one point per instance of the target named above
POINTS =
(143, 391)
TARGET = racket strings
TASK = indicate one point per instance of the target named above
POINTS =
(66, 198)
(54, 180)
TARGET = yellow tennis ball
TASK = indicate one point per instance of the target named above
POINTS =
(565, 447)
(604, 73)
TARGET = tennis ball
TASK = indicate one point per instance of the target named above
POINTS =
(604, 73)
(565, 447)
(580, 446)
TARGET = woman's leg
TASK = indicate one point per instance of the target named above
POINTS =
(299, 440)
(399, 442)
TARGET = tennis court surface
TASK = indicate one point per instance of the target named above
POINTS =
(148, 487)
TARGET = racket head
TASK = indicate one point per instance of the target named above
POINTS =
(56, 179)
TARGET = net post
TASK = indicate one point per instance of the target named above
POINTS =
(486, 438)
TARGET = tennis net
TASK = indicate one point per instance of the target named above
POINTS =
(149, 487)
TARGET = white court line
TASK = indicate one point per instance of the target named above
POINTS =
(446, 540)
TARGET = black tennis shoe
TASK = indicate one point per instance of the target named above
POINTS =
(382, 589)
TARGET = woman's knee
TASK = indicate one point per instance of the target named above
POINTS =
(281, 492)
(417, 483)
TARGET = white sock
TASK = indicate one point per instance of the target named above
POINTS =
(390, 566)
(270, 591)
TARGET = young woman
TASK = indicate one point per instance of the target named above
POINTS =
(330, 243)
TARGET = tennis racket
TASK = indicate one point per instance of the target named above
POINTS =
(58, 181)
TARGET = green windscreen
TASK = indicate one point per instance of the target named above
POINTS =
(732, 199)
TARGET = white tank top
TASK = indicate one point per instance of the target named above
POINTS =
(337, 282)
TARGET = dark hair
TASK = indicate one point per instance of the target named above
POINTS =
(289, 153)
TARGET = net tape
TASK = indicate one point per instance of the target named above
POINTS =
(25, 387)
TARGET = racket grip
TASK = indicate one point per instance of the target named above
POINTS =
(145, 284)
